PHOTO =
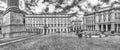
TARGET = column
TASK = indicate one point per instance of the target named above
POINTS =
(50, 30)
(102, 27)
(91, 28)
(117, 27)
(97, 27)
(88, 28)
(94, 27)
(112, 27)
(106, 27)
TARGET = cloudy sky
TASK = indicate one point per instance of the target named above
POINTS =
(56, 6)
(3, 5)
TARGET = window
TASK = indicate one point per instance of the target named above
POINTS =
(54, 25)
(55, 30)
(65, 30)
(68, 24)
(23, 21)
(116, 17)
(104, 17)
(119, 15)
(61, 30)
(51, 30)
(58, 25)
(100, 18)
(51, 25)
(61, 25)
(65, 25)
(109, 16)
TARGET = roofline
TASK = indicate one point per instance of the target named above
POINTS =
(8, 10)
(48, 15)
(102, 11)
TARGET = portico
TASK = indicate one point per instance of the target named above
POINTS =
(108, 27)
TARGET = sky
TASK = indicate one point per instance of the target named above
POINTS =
(3, 5)
(86, 5)
(80, 7)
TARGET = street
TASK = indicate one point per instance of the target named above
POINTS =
(65, 41)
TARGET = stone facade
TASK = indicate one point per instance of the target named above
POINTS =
(12, 3)
(76, 25)
(89, 22)
(108, 20)
(53, 22)
(103, 20)
(12, 23)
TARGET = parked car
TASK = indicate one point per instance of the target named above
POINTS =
(79, 34)
(96, 35)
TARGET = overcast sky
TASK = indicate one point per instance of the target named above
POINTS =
(86, 5)
(42, 6)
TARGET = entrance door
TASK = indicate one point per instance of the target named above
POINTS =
(109, 27)
(104, 27)
(99, 27)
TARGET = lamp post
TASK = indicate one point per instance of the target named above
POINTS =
(45, 27)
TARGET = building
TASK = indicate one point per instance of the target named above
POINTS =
(12, 20)
(89, 22)
(12, 23)
(51, 22)
(103, 20)
(1, 19)
(12, 3)
(108, 20)
(76, 25)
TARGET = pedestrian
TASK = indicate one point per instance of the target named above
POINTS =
(80, 35)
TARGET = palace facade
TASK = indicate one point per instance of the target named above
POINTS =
(76, 25)
(89, 22)
(103, 20)
(53, 23)
(108, 20)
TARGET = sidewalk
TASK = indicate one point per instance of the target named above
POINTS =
(12, 40)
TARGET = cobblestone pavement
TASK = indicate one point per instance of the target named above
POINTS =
(67, 41)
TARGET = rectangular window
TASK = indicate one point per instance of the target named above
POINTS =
(104, 17)
(119, 15)
(99, 18)
(51, 25)
(109, 17)
(61, 30)
(61, 25)
(51, 30)
(58, 25)
(54, 25)
(116, 17)
(55, 30)
(65, 25)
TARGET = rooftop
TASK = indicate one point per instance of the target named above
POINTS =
(63, 14)
(49, 15)
(104, 10)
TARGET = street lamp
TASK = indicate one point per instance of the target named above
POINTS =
(45, 27)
